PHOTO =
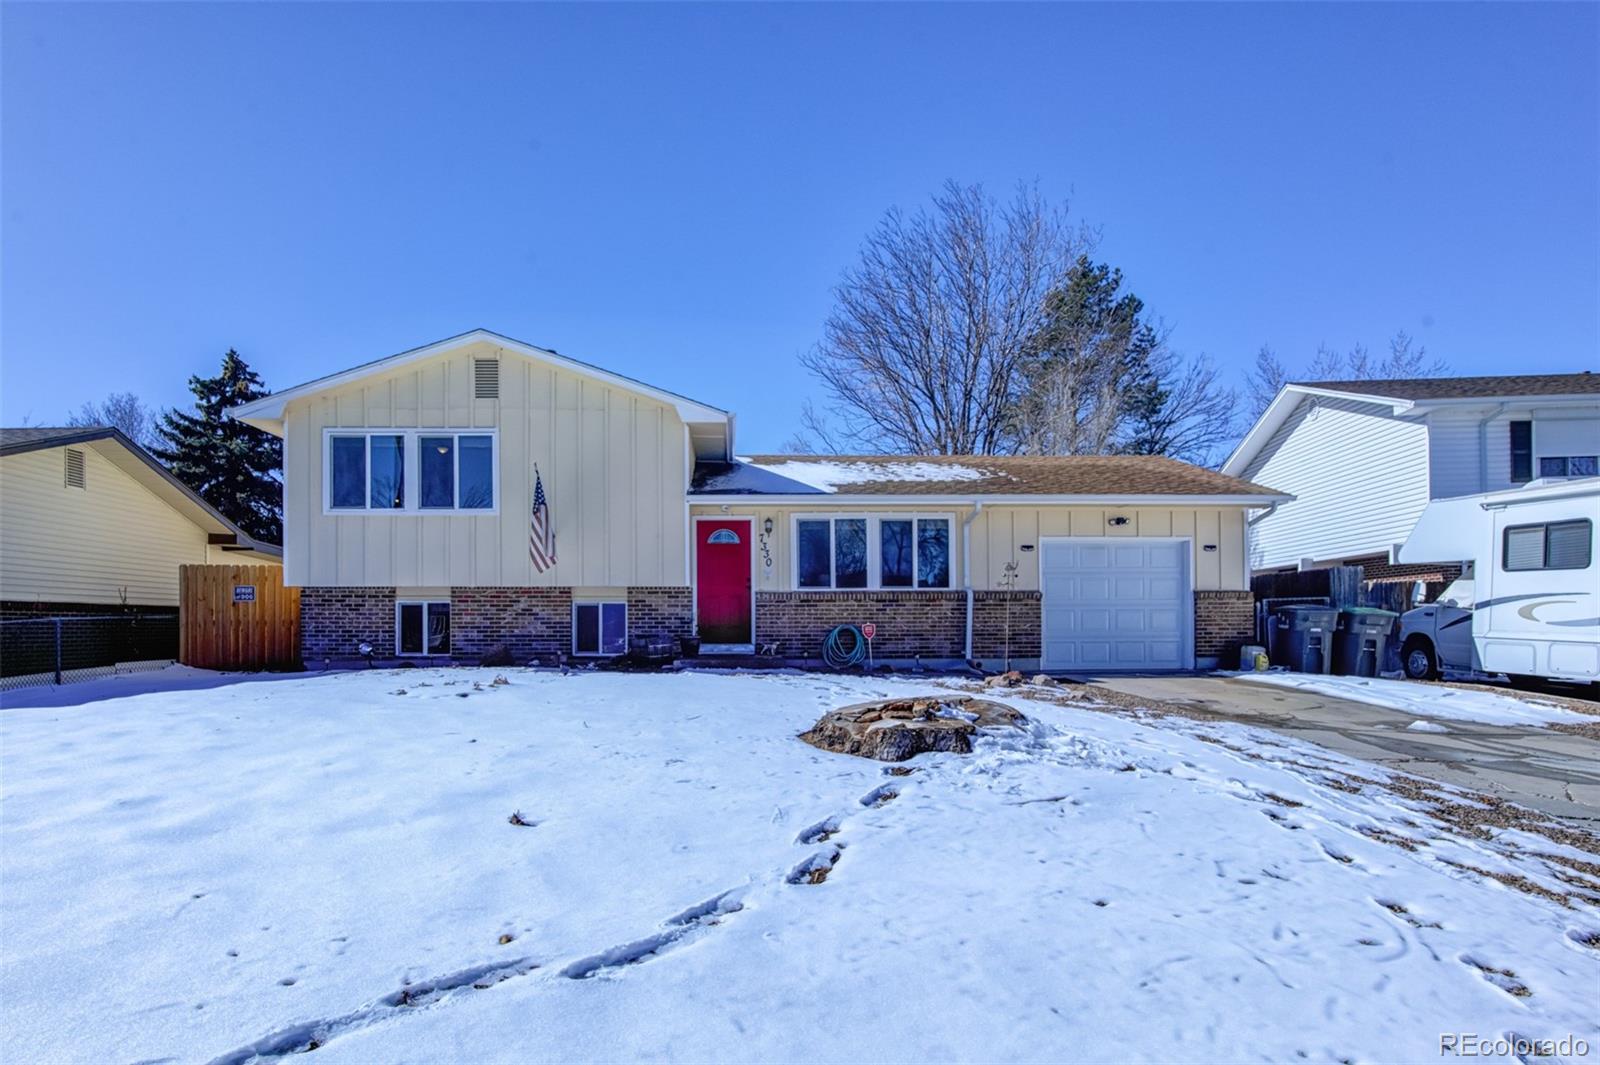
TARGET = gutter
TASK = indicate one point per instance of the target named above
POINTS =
(966, 568)
(1483, 445)
(756, 499)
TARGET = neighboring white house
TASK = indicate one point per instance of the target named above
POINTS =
(1362, 458)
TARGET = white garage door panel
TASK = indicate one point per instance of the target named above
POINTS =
(1122, 605)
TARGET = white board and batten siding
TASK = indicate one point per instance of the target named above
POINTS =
(614, 465)
(1360, 476)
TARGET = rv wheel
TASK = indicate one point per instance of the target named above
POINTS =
(1419, 661)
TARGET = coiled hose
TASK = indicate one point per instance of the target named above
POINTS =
(844, 647)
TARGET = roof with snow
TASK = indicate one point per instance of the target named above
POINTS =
(1086, 476)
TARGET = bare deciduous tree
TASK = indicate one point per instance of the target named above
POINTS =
(1405, 358)
(1191, 417)
(121, 410)
(923, 349)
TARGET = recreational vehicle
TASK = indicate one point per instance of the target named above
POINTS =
(1528, 601)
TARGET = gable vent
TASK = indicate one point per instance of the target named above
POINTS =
(486, 378)
(75, 477)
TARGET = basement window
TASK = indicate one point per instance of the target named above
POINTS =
(75, 477)
(422, 628)
(599, 628)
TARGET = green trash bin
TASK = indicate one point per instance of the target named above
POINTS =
(1360, 640)
(1300, 637)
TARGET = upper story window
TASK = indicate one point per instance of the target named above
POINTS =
(1553, 545)
(1521, 434)
(870, 551)
(372, 470)
(1569, 465)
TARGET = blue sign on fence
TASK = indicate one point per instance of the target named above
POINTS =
(244, 593)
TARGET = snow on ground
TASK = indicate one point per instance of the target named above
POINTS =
(1427, 700)
(252, 870)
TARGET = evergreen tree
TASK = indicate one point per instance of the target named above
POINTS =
(235, 468)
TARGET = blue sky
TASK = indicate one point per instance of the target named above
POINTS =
(672, 191)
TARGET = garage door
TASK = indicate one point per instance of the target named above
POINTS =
(1116, 604)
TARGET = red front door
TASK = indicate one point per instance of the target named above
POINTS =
(722, 580)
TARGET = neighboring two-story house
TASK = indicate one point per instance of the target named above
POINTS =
(410, 491)
(1362, 458)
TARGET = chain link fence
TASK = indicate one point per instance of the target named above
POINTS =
(60, 650)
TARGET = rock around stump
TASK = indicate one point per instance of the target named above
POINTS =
(896, 729)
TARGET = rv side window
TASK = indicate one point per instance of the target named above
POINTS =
(1558, 545)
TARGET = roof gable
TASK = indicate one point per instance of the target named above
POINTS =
(267, 413)
(138, 464)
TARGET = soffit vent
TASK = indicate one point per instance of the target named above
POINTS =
(75, 476)
(486, 378)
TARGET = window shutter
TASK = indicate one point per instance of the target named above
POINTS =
(75, 475)
(1521, 452)
(486, 378)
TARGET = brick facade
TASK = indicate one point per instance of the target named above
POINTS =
(910, 624)
(1223, 623)
(334, 622)
(661, 612)
(989, 626)
(1378, 570)
(533, 624)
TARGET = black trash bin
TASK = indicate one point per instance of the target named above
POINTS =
(1300, 637)
(1359, 640)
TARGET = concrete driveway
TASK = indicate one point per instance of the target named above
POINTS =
(1554, 772)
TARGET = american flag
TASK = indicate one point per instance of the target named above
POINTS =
(541, 534)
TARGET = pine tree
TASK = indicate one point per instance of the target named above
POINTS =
(235, 468)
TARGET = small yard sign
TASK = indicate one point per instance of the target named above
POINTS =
(869, 630)
(244, 593)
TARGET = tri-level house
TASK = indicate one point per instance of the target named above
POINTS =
(408, 509)
(1362, 459)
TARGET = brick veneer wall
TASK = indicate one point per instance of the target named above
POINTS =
(910, 623)
(1223, 623)
(665, 612)
(1378, 569)
(335, 621)
(989, 626)
(531, 623)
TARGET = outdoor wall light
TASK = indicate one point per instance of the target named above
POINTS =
(766, 526)
(1118, 520)
(1026, 547)
(1209, 547)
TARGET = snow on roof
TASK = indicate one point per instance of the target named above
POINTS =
(805, 477)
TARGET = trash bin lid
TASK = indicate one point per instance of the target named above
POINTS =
(1303, 608)
(1368, 611)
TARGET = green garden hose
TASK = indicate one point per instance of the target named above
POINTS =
(844, 647)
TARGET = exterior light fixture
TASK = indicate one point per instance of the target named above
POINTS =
(766, 526)
(1118, 520)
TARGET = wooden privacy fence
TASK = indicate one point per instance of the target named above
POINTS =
(237, 617)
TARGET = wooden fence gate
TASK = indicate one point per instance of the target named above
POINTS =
(237, 617)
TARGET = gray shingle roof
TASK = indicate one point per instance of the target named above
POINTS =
(33, 437)
(1424, 388)
(968, 475)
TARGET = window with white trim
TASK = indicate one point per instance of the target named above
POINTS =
(599, 628)
(851, 551)
(421, 627)
(370, 470)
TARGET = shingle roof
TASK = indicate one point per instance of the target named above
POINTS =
(966, 475)
(1423, 388)
(33, 437)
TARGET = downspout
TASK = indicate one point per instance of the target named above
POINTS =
(1483, 446)
(966, 567)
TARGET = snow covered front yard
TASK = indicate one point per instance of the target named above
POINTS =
(328, 864)
(1481, 705)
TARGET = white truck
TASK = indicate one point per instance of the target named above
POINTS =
(1528, 601)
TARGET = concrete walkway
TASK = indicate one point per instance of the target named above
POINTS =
(1554, 772)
